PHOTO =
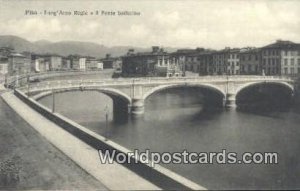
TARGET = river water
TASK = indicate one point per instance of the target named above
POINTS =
(176, 120)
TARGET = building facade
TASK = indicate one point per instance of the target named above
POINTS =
(154, 63)
(281, 58)
(82, 63)
(18, 64)
(226, 61)
(108, 61)
(3, 65)
(250, 61)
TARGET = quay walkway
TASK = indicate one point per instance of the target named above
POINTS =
(112, 176)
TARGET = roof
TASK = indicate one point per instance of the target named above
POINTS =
(141, 54)
(250, 50)
(16, 55)
(47, 55)
(228, 50)
(283, 44)
(206, 52)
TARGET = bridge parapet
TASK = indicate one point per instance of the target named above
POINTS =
(136, 90)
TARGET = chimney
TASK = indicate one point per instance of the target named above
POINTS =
(107, 55)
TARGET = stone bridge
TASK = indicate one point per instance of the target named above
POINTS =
(130, 94)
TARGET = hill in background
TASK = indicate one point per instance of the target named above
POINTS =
(65, 48)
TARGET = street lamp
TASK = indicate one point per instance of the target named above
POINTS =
(28, 84)
(106, 122)
(53, 101)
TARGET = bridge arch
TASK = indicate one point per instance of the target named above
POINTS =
(164, 87)
(251, 84)
(262, 94)
(108, 91)
(121, 101)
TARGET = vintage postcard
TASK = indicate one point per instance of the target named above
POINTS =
(149, 95)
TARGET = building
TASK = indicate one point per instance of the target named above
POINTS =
(66, 63)
(233, 62)
(180, 57)
(220, 62)
(6, 51)
(18, 64)
(117, 64)
(200, 61)
(74, 61)
(55, 62)
(226, 61)
(100, 65)
(82, 63)
(154, 63)
(3, 65)
(41, 65)
(281, 58)
(250, 61)
(92, 63)
(108, 61)
(46, 62)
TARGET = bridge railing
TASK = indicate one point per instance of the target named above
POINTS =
(46, 85)
(23, 78)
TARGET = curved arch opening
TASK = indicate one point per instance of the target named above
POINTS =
(180, 100)
(265, 96)
(117, 103)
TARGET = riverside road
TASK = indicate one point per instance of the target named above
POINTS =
(29, 161)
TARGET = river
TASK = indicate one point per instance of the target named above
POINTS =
(176, 120)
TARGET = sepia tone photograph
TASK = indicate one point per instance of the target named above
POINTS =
(149, 95)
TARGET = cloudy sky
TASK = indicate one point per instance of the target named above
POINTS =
(213, 24)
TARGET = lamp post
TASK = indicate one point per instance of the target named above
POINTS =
(106, 122)
(28, 84)
(53, 101)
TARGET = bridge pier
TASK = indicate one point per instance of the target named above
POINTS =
(137, 106)
(230, 100)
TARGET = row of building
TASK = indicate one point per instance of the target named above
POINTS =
(13, 63)
(279, 58)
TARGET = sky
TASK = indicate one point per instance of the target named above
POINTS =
(168, 23)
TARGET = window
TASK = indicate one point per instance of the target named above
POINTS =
(299, 70)
(292, 53)
(285, 71)
(292, 61)
(285, 61)
(286, 52)
(292, 71)
(298, 61)
(237, 63)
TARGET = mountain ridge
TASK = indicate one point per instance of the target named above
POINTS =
(66, 48)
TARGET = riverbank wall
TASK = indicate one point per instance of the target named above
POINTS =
(157, 175)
